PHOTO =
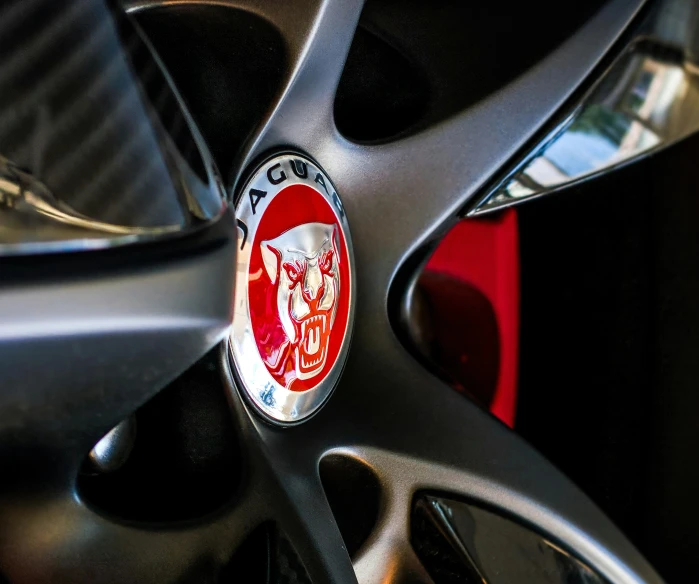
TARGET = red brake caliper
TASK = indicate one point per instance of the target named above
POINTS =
(471, 290)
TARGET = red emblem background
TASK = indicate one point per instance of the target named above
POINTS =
(293, 205)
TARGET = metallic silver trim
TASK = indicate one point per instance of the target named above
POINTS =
(647, 100)
(489, 546)
(274, 401)
(112, 451)
(34, 220)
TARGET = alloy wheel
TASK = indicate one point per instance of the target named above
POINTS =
(90, 337)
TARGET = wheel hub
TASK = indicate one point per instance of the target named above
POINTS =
(294, 295)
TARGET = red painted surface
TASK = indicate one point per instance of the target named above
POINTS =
(293, 206)
(484, 254)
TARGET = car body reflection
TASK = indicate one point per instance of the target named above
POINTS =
(648, 99)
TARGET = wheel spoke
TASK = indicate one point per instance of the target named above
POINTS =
(423, 435)
(95, 339)
(62, 540)
(309, 523)
(296, 502)
(388, 555)
(400, 194)
(318, 36)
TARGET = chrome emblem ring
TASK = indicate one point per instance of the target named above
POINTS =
(294, 294)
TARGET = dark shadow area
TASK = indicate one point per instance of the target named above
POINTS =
(227, 64)
(610, 330)
(251, 563)
(462, 543)
(286, 564)
(266, 557)
(454, 326)
(381, 92)
(354, 495)
(415, 62)
(185, 460)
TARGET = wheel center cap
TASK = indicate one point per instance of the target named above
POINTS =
(294, 294)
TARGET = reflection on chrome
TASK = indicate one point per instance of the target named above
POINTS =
(104, 156)
(647, 100)
(27, 206)
(483, 546)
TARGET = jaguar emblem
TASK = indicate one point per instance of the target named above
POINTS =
(294, 294)
(303, 265)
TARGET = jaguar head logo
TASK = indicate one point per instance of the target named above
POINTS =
(303, 265)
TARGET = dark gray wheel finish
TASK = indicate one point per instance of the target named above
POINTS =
(145, 317)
